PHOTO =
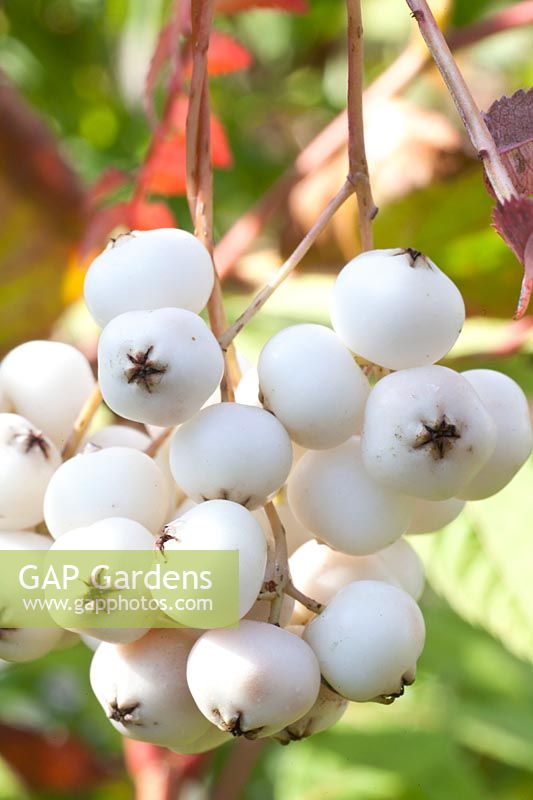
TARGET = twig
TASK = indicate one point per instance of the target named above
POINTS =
(199, 166)
(279, 581)
(280, 566)
(472, 119)
(289, 265)
(358, 167)
(357, 180)
(394, 80)
(308, 602)
(82, 422)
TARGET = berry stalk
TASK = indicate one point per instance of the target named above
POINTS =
(358, 167)
(199, 167)
(289, 265)
(82, 423)
(279, 580)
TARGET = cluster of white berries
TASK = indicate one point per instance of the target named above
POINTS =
(353, 432)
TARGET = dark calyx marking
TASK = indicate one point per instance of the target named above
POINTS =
(123, 714)
(388, 699)
(144, 370)
(233, 725)
(122, 238)
(416, 257)
(30, 440)
(165, 537)
(438, 438)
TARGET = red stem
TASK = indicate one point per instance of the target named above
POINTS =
(470, 114)
(358, 167)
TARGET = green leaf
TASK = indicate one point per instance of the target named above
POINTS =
(481, 564)
(400, 764)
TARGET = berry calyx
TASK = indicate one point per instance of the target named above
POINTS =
(438, 437)
(145, 371)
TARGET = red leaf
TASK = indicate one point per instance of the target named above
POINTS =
(510, 122)
(226, 55)
(109, 181)
(234, 6)
(514, 222)
(220, 149)
(165, 172)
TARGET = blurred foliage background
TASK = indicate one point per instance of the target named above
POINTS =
(71, 94)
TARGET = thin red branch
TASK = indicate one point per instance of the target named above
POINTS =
(358, 167)
(289, 265)
(199, 166)
(470, 114)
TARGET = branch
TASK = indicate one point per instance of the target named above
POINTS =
(308, 602)
(82, 422)
(199, 167)
(289, 265)
(279, 581)
(472, 119)
(357, 180)
(358, 167)
(279, 568)
(394, 80)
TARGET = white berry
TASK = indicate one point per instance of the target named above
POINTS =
(232, 452)
(252, 680)
(117, 436)
(432, 515)
(396, 308)
(507, 405)
(146, 270)
(426, 432)
(327, 710)
(25, 644)
(116, 534)
(311, 382)
(142, 687)
(223, 525)
(320, 572)
(28, 460)
(113, 482)
(158, 367)
(47, 382)
(332, 495)
(368, 640)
